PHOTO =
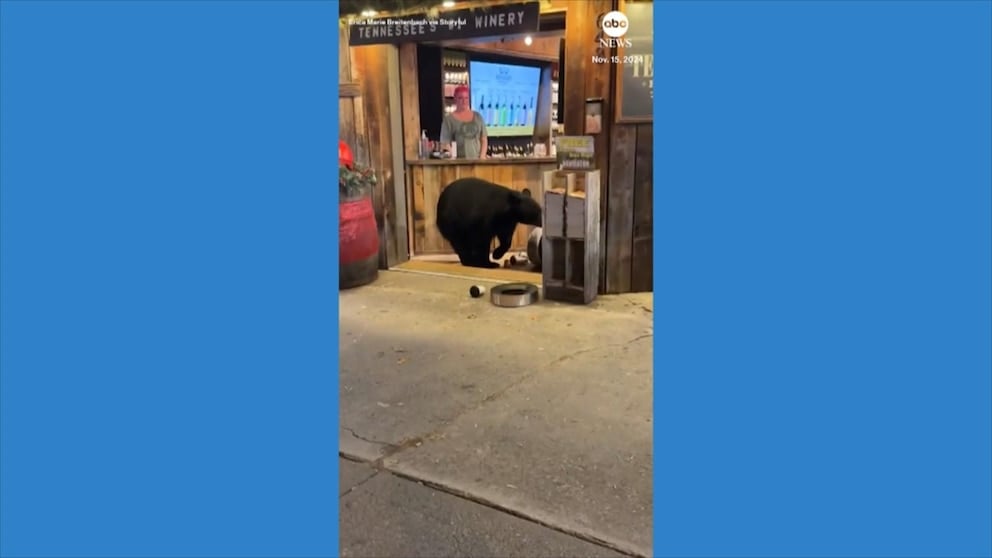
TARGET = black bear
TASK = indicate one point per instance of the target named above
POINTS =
(471, 211)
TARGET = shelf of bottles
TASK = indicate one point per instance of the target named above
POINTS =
(503, 114)
(454, 68)
(554, 94)
(510, 149)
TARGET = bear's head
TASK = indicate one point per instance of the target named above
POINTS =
(524, 208)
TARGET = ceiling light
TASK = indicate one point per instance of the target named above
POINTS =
(448, 4)
(528, 41)
(368, 13)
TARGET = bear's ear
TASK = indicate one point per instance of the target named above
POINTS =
(517, 197)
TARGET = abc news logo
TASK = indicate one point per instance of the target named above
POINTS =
(614, 25)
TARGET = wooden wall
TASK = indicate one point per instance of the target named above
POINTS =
(351, 125)
(624, 154)
(629, 216)
(366, 123)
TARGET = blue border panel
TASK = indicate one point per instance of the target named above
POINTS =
(169, 279)
(824, 276)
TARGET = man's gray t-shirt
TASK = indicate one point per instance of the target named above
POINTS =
(468, 135)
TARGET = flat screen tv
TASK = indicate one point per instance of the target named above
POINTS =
(506, 96)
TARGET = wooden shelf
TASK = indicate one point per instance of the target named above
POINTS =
(507, 161)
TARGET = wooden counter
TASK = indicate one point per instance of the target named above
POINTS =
(426, 178)
(482, 162)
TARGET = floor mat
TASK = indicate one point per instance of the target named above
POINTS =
(455, 269)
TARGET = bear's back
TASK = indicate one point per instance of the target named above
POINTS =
(467, 193)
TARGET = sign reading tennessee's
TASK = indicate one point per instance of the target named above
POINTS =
(507, 19)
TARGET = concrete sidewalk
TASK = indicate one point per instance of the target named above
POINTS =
(543, 411)
(385, 515)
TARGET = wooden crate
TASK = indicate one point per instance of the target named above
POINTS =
(556, 185)
(570, 252)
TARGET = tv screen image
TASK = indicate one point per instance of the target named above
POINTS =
(506, 96)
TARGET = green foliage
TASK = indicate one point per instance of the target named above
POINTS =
(356, 182)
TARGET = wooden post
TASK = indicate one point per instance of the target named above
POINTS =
(398, 236)
(583, 80)
(410, 87)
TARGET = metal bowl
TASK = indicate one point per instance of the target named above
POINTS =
(514, 295)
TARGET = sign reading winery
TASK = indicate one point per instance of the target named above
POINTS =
(507, 19)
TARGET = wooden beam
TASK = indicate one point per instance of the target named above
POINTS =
(584, 80)
(371, 62)
(620, 209)
(359, 70)
(642, 254)
(397, 234)
(542, 48)
(349, 90)
(346, 105)
(410, 88)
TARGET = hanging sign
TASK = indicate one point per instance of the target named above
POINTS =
(488, 21)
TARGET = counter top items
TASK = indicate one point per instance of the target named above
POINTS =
(442, 160)
(501, 151)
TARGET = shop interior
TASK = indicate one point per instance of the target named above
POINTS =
(514, 81)
(515, 84)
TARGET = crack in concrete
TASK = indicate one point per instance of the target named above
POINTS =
(400, 447)
(394, 449)
(375, 473)
(369, 440)
(391, 450)
(590, 538)
(638, 338)
(574, 354)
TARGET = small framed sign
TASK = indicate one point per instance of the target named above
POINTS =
(576, 152)
(594, 116)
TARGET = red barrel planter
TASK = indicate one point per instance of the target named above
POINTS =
(359, 242)
(358, 234)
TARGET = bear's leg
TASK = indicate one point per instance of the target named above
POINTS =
(464, 253)
(462, 246)
(505, 236)
(479, 254)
